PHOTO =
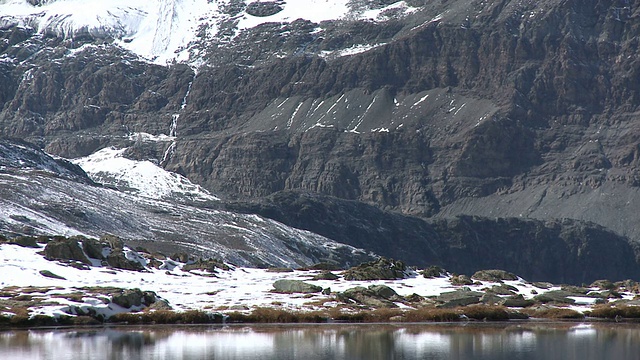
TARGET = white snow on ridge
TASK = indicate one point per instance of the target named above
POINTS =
(154, 29)
(379, 14)
(144, 178)
(353, 50)
(312, 10)
(162, 30)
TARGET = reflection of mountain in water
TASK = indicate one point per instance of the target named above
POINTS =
(412, 342)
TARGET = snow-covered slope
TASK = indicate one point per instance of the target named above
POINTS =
(40, 197)
(41, 204)
(164, 30)
(109, 166)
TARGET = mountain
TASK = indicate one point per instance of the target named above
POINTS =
(510, 115)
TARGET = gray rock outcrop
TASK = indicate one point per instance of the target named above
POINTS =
(209, 265)
(376, 296)
(134, 297)
(295, 286)
(457, 298)
(381, 269)
(493, 275)
(61, 248)
(433, 271)
(119, 260)
(326, 275)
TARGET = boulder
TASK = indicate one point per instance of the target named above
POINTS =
(381, 269)
(209, 265)
(118, 260)
(461, 280)
(557, 296)
(181, 257)
(154, 263)
(493, 275)
(517, 301)
(94, 248)
(433, 271)
(376, 296)
(25, 241)
(160, 304)
(607, 294)
(502, 289)
(629, 285)
(384, 291)
(414, 298)
(326, 275)
(65, 249)
(491, 299)
(134, 297)
(49, 274)
(462, 297)
(295, 286)
(603, 284)
(575, 289)
(114, 242)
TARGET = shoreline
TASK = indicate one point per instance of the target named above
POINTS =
(522, 323)
(198, 318)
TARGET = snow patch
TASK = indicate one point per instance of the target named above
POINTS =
(109, 166)
(353, 50)
(312, 10)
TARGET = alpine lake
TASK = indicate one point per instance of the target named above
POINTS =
(472, 340)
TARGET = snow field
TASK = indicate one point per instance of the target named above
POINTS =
(234, 290)
(109, 166)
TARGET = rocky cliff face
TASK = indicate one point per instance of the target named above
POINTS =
(500, 109)
(565, 250)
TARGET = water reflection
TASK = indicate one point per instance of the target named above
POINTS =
(371, 342)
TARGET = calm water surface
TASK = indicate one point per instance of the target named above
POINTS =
(528, 340)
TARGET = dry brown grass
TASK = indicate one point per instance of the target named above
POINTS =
(486, 312)
(355, 315)
(432, 314)
(165, 317)
(265, 315)
(553, 313)
(612, 312)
